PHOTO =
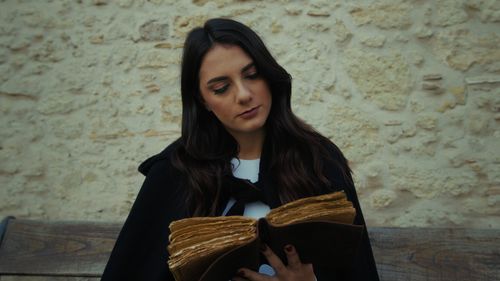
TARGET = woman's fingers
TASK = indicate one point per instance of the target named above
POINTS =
(294, 271)
(247, 274)
(273, 259)
(237, 278)
(292, 257)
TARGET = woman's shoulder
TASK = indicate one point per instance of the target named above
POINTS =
(335, 165)
(162, 159)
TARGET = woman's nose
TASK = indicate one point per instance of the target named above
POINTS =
(243, 93)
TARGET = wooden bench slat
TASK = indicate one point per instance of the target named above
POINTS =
(81, 249)
(436, 253)
(46, 278)
(56, 248)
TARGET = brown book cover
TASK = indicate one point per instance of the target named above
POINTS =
(213, 248)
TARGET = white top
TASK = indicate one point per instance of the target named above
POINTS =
(249, 170)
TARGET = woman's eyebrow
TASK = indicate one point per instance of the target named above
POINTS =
(247, 67)
(216, 79)
(222, 78)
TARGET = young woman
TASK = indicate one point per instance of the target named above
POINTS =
(242, 151)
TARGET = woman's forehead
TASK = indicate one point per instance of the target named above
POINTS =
(223, 60)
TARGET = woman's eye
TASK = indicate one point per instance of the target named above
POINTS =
(253, 75)
(221, 90)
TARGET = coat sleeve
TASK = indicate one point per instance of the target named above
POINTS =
(140, 252)
(364, 267)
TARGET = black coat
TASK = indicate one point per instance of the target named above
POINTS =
(140, 250)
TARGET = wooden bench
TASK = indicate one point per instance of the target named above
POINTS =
(76, 251)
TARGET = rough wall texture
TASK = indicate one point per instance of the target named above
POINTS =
(410, 90)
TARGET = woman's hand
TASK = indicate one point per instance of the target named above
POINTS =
(294, 271)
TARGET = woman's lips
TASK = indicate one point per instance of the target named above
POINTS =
(249, 114)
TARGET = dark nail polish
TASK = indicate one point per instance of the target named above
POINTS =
(241, 273)
(263, 247)
(288, 248)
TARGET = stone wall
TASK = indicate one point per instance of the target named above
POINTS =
(409, 90)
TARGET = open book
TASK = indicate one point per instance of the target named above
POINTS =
(214, 248)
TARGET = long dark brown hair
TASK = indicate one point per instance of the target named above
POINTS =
(297, 153)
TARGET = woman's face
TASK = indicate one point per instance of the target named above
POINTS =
(234, 91)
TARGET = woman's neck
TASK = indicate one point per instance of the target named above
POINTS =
(250, 144)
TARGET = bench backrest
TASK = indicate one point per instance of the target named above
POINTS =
(76, 250)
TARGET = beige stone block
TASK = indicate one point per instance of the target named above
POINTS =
(459, 93)
(170, 112)
(446, 105)
(34, 169)
(477, 123)
(431, 86)
(382, 198)
(461, 48)
(241, 11)
(342, 33)
(426, 214)
(276, 27)
(449, 12)
(482, 206)
(125, 3)
(153, 31)
(96, 39)
(483, 79)
(408, 130)
(293, 10)
(427, 121)
(383, 15)
(393, 135)
(154, 133)
(375, 41)
(19, 95)
(494, 67)
(383, 80)
(100, 2)
(47, 52)
(109, 129)
(458, 159)
(432, 77)
(157, 59)
(90, 177)
(153, 88)
(184, 24)
(393, 123)
(164, 45)
(425, 145)
(67, 128)
(19, 43)
(318, 13)
(319, 27)
(401, 37)
(147, 77)
(9, 165)
(493, 199)
(461, 61)
(355, 132)
(488, 10)
(56, 104)
(416, 58)
(429, 182)
(423, 32)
